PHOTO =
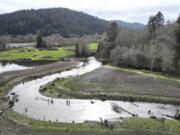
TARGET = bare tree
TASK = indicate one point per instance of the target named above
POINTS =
(166, 55)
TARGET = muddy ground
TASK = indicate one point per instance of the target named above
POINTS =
(109, 81)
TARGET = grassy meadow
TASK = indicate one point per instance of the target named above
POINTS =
(93, 46)
(34, 54)
(144, 124)
(42, 54)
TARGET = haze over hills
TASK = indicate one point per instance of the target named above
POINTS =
(63, 21)
(128, 25)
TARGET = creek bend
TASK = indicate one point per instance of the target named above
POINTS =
(32, 104)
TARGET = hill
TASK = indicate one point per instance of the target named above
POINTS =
(63, 21)
(127, 25)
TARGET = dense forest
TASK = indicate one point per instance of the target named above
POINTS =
(51, 21)
(156, 48)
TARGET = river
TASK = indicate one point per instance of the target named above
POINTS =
(37, 106)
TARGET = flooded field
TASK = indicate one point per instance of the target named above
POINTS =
(35, 105)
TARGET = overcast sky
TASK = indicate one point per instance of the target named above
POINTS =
(127, 10)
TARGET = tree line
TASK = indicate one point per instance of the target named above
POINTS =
(156, 48)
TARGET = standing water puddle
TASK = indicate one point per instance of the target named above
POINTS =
(11, 67)
(35, 105)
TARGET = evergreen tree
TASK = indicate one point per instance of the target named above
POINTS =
(152, 26)
(178, 30)
(99, 49)
(2, 45)
(40, 43)
(84, 50)
(113, 32)
(177, 48)
(81, 49)
(110, 43)
(159, 20)
(77, 51)
(155, 23)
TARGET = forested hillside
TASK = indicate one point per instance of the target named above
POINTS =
(51, 21)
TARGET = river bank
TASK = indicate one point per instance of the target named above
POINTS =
(120, 129)
(10, 79)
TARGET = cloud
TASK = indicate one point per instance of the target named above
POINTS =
(137, 14)
(128, 10)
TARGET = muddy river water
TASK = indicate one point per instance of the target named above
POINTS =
(37, 106)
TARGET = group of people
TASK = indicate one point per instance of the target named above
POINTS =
(51, 101)
(68, 102)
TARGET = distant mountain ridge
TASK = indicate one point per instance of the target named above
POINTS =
(127, 25)
(61, 21)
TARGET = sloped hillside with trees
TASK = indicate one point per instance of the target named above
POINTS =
(51, 21)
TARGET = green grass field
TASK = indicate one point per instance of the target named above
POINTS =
(151, 124)
(45, 54)
(93, 46)
(35, 54)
